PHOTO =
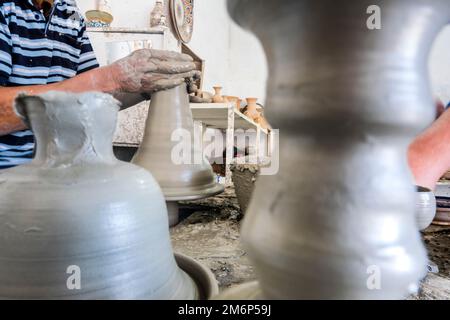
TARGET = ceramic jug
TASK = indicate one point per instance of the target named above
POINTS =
(348, 99)
(75, 222)
(169, 151)
(252, 109)
(218, 98)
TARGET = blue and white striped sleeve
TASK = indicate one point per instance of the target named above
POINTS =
(87, 59)
(5, 51)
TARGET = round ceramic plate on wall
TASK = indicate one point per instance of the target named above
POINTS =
(182, 13)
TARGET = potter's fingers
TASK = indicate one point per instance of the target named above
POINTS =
(194, 74)
(165, 84)
(169, 55)
(152, 76)
(174, 67)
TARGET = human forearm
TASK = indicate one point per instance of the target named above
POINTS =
(429, 153)
(128, 80)
(100, 79)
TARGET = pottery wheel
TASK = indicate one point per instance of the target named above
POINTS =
(246, 291)
(203, 277)
(177, 194)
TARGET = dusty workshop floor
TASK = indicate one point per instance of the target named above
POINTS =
(209, 232)
(437, 241)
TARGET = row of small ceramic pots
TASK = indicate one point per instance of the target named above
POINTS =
(252, 109)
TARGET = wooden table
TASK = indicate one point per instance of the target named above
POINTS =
(225, 117)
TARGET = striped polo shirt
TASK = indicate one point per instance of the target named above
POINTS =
(35, 51)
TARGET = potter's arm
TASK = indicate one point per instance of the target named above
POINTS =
(144, 71)
(429, 153)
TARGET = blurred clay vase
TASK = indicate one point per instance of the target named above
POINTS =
(84, 210)
(169, 151)
(218, 98)
(252, 109)
(340, 92)
(425, 207)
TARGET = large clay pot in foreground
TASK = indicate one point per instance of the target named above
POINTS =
(348, 101)
(169, 152)
(76, 207)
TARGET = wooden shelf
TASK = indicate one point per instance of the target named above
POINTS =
(157, 30)
(224, 116)
(215, 115)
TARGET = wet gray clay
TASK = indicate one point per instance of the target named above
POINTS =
(168, 150)
(244, 178)
(76, 223)
(338, 220)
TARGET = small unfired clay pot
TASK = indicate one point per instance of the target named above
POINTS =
(218, 98)
(252, 109)
(168, 138)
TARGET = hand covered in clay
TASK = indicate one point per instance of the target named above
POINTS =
(147, 71)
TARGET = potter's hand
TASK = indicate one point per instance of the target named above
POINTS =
(148, 71)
